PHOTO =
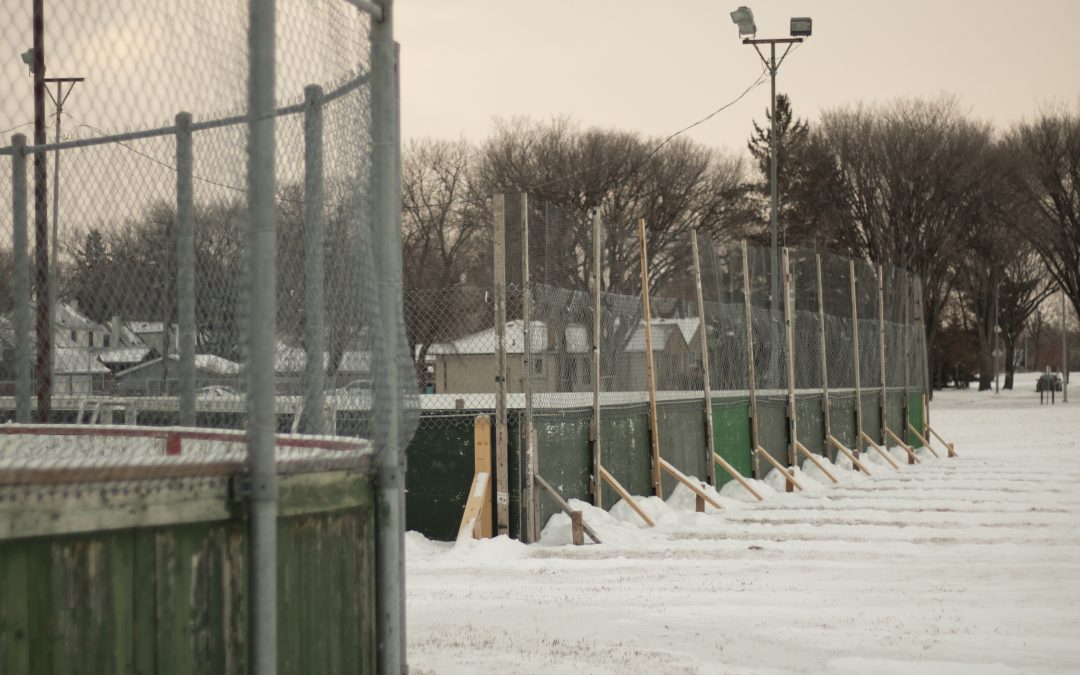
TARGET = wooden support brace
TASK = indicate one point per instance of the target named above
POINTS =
(479, 495)
(923, 440)
(685, 480)
(779, 467)
(813, 458)
(621, 491)
(737, 476)
(881, 451)
(564, 506)
(950, 446)
(912, 457)
(849, 454)
(577, 526)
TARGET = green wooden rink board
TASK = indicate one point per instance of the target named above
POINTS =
(915, 416)
(731, 438)
(172, 599)
(682, 440)
(842, 419)
(871, 414)
(624, 437)
(772, 431)
(810, 427)
(440, 470)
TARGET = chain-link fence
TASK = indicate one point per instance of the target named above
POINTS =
(201, 232)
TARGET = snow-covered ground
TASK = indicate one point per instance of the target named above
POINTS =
(969, 565)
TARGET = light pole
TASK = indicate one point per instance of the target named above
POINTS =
(801, 27)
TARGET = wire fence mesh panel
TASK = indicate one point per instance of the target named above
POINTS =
(202, 246)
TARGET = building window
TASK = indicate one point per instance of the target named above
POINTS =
(90, 337)
(74, 337)
(106, 339)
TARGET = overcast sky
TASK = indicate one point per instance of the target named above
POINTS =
(658, 66)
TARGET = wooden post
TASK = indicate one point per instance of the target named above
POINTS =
(751, 376)
(594, 430)
(789, 333)
(855, 348)
(502, 472)
(823, 353)
(705, 383)
(906, 334)
(654, 430)
(532, 463)
(928, 386)
(881, 347)
(576, 532)
(737, 476)
(621, 491)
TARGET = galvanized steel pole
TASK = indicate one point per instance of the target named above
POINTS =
(386, 241)
(312, 421)
(262, 263)
(185, 266)
(21, 279)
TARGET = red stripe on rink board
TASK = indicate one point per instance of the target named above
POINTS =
(173, 438)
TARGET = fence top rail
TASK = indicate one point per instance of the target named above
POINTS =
(293, 109)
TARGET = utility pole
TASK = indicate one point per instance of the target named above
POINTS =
(43, 358)
(58, 101)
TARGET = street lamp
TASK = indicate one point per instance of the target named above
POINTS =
(800, 28)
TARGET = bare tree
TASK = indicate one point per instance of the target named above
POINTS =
(908, 178)
(1048, 183)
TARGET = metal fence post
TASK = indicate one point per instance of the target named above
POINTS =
(261, 292)
(858, 357)
(20, 282)
(906, 336)
(751, 375)
(502, 471)
(386, 240)
(823, 353)
(314, 388)
(185, 266)
(706, 385)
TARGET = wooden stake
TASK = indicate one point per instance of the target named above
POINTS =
(912, 457)
(654, 427)
(532, 461)
(751, 377)
(621, 491)
(538, 479)
(737, 476)
(779, 467)
(789, 335)
(881, 347)
(577, 533)
(813, 458)
(922, 439)
(881, 451)
(849, 454)
(502, 472)
(685, 480)
(950, 446)
(858, 359)
(597, 275)
(706, 385)
(822, 352)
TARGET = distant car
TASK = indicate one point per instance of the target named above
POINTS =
(1048, 382)
(216, 391)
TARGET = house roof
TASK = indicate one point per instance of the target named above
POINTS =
(209, 362)
(294, 359)
(123, 354)
(76, 361)
(578, 340)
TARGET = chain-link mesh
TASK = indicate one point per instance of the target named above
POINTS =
(136, 296)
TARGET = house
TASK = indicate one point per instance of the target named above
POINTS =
(161, 377)
(354, 366)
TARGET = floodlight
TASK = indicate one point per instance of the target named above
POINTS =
(800, 26)
(744, 18)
